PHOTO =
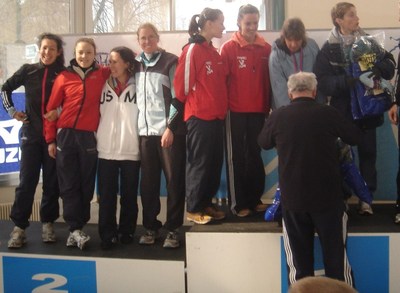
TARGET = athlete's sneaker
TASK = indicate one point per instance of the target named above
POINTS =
(80, 238)
(71, 241)
(48, 234)
(172, 240)
(198, 218)
(261, 207)
(149, 238)
(126, 238)
(397, 218)
(243, 213)
(365, 209)
(17, 238)
(215, 213)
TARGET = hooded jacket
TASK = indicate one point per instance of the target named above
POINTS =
(249, 88)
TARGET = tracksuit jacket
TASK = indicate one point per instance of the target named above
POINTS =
(38, 80)
(117, 134)
(80, 107)
(330, 68)
(244, 97)
(155, 93)
(283, 63)
(200, 82)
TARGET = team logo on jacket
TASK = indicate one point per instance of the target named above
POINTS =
(241, 61)
(208, 67)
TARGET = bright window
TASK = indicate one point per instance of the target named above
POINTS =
(111, 16)
(186, 9)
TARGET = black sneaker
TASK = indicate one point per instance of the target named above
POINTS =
(126, 238)
(108, 244)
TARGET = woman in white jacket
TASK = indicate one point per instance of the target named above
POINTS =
(118, 147)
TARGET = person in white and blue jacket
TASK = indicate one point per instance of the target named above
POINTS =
(162, 138)
(118, 151)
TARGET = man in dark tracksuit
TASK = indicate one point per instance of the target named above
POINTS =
(304, 134)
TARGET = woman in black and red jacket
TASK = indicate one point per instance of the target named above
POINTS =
(38, 81)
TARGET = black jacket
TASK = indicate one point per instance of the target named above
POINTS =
(32, 76)
(305, 134)
(330, 69)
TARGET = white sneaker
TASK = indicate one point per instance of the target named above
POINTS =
(397, 218)
(149, 238)
(80, 238)
(172, 240)
(48, 234)
(17, 238)
(365, 209)
(71, 241)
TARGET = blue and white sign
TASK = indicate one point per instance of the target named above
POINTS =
(22, 274)
(9, 134)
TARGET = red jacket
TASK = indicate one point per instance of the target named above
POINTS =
(200, 82)
(249, 88)
(79, 98)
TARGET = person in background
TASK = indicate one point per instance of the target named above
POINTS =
(38, 79)
(72, 137)
(162, 138)
(330, 68)
(292, 52)
(118, 148)
(305, 134)
(394, 119)
(249, 94)
(200, 84)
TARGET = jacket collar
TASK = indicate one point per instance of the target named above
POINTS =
(238, 38)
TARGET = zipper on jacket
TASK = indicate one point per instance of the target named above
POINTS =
(83, 98)
(145, 100)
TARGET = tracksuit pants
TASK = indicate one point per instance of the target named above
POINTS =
(115, 177)
(172, 162)
(76, 168)
(35, 156)
(204, 147)
(367, 158)
(298, 236)
(245, 167)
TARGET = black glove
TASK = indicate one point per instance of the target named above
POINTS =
(376, 72)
